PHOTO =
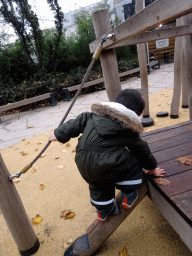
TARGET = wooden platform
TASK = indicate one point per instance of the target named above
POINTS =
(175, 200)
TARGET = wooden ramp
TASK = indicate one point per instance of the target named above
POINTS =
(175, 200)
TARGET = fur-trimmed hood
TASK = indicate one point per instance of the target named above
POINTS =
(127, 118)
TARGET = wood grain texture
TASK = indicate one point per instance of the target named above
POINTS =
(159, 12)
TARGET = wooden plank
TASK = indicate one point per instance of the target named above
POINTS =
(171, 142)
(155, 35)
(175, 152)
(166, 133)
(158, 132)
(172, 167)
(101, 80)
(184, 202)
(25, 102)
(99, 232)
(178, 220)
(180, 183)
(159, 12)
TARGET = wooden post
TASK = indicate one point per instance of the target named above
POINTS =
(99, 232)
(108, 58)
(15, 216)
(178, 54)
(187, 47)
(141, 49)
(184, 82)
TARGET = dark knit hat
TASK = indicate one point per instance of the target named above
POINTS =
(131, 99)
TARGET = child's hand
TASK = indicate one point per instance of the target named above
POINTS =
(156, 172)
(52, 137)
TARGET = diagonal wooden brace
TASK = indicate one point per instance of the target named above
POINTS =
(98, 232)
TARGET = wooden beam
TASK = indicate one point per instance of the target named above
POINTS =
(15, 216)
(142, 57)
(178, 223)
(25, 102)
(108, 58)
(159, 12)
(99, 232)
(156, 35)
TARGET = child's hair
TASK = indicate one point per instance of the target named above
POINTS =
(131, 99)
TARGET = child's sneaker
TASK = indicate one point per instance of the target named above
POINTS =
(129, 200)
(103, 214)
(112, 210)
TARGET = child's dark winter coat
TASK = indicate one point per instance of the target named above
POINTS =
(110, 148)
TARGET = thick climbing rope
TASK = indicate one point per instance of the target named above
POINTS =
(94, 58)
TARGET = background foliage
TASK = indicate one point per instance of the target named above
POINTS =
(41, 61)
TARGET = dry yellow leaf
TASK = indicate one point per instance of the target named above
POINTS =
(57, 157)
(67, 214)
(68, 145)
(36, 149)
(24, 153)
(33, 170)
(124, 252)
(42, 186)
(163, 181)
(39, 143)
(27, 142)
(73, 151)
(31, 126)
(70, 215)
(16, 180)
(37, 219)
(23, 139)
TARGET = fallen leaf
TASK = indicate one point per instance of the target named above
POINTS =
(163, 181)
(27, 142)
(24, 153)
(67, 214)
(60, 167)
(39, 143)
(31, 126)
(33, 171)
(73, 151)
(69, 241)
(42, 186)
(184, 160)
(37, 219)
(16, 180)
(187, 162)
(57, 157)
(23, 139)
(36, 149)
(68, 145)
(124, 252)
(42, 155)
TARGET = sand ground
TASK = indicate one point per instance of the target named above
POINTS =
(144, 232)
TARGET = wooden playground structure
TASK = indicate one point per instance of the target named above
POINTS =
(168, 144)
